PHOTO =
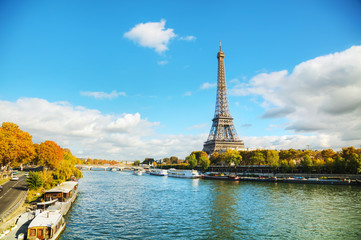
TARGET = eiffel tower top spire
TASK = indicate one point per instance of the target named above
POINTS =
(222, 107)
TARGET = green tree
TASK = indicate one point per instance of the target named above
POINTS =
(214, 158)
(34, 181)
(257, 158)
(192, 161)
(204, 162)
(306, 163)
(340, 165)
(148, 161)
(136, 163)
(318, 164)
(354, 163)
(273, 159)
(330, 164)
(174, 160)
(284, 166)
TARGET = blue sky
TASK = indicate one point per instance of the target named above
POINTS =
(123, 80)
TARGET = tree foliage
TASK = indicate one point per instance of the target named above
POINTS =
(192, 161)
(49, 154)
(35, 180)
(16, 146)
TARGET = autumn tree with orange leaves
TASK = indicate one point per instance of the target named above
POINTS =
(48, 154)
(16, 146)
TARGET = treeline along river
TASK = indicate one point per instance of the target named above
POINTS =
(119, 205)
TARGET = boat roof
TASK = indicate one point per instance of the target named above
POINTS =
(64, 187)
(46, 219)
(46, 203)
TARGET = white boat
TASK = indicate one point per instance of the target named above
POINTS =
(46, 225)
(158, 172)
(137, 172)
(183, 173)
(65, 194)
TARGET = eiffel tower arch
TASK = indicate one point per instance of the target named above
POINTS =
(223, 134)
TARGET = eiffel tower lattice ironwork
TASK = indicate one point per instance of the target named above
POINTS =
(223, 134)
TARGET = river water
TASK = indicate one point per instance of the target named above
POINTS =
(119, 205)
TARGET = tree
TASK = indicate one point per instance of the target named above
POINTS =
(49, 154)
(215, 158)
(330, 164)
(340, 165)
(273, 159)
(192, 161)
(148, 161)
(307, 163)
(174, 160)
(284, 165)
(232, 157)
(34, 181)
(204, 162)
(167, 160)
(136, 163)
(318, 164)
(16, 146)
(354, 163)
(257, 158)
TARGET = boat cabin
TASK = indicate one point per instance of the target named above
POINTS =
(63, 192)
(46, 225)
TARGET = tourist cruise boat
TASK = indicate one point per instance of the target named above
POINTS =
(158, 172)
(183, 173)
(65, 194)
(46, 225)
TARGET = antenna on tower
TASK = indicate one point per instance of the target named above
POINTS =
(220, 45)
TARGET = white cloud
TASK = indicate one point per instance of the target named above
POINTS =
(164, 62)
(102, 95)
(89, 133)
(320, 96)
(151, 35)
(188, 38)
(208, 85)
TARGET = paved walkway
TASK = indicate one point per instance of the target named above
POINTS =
(21, 226)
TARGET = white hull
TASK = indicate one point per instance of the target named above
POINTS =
(183, 174)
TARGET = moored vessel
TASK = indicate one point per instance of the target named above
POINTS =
(158, 172)
(65, 194)
(46, 225)
(220, 176)
(183, 173)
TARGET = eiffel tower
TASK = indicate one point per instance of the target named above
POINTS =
(223, 134)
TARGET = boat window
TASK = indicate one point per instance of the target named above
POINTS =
(47, 232)
(32, 232)
(40, 233)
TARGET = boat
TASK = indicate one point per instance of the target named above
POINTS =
(65, 194)
(183, 173)
(47, 225)
(220, 176)
(158, 172)
(137, 172)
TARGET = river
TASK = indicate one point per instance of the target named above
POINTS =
(119, 205)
